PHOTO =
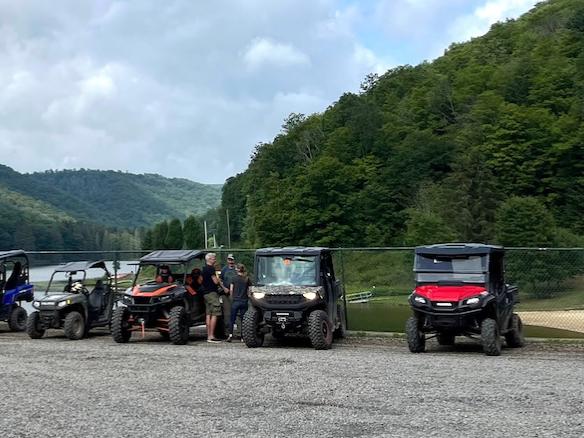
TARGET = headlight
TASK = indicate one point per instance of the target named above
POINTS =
(36, 303)
(477, 299)
(419, 299)
(310, 295)
(126, 299)
(62, 303)
(258, 295)
(165, 298)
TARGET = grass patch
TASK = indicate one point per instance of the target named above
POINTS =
(571, 300)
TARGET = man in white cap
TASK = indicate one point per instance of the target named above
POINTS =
(228, 274)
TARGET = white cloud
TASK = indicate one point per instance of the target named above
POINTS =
(187, 88)
(487, 14)
(264, 52)
(182, 89)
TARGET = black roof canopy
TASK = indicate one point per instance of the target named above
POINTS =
(14, 253)
(292, 250)
(171, 256)
(454, 249)
(81, 266)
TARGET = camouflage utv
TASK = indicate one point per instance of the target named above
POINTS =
(295, 291)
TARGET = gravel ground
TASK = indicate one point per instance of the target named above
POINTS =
(362, 387)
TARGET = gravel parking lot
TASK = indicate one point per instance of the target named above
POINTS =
(362, 387)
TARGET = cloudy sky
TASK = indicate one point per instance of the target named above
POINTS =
(186, 88)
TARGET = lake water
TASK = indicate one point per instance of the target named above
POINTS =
(43, 273)
(379, 316)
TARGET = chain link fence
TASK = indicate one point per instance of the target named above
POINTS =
(378, 282)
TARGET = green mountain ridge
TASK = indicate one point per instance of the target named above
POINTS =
(90, 209)
(148, 198)
(486, 143)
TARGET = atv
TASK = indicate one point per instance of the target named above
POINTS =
(295, 292)
(161, 299)
(460, 291)
(14, 289)
(79, 297)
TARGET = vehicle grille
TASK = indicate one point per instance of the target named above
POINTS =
(141, 300)
(283, 299)
(440, 305)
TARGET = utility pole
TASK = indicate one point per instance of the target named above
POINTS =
(228, 229)
(205, 223)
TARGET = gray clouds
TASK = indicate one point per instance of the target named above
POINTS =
(181, 88)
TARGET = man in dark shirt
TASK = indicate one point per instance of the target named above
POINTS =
(228, 274)
(239, 291)
(211, 297)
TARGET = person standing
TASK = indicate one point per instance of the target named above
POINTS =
(228, 274)
(239, 291)
(209, 287)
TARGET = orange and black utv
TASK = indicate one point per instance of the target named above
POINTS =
(161, 298)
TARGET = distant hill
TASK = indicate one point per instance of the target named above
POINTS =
(486, 139)
(129, 200)
(90, 209)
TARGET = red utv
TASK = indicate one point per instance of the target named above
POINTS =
(460, 291)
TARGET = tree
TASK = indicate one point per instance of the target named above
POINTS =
(174, 236)
(423, 228)
(524, 222)
(148, 240)
(527, 222)
(193, 233)
(159, 235)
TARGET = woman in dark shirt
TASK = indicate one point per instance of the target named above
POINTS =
(239, 291)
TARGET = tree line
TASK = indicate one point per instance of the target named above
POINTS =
(175, 234)
(484, 144)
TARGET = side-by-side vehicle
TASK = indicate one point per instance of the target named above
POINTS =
(460, 290)
(295, 291)
(15, 288)
(79, 297)
(160, 298)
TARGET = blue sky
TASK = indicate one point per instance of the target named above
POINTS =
(187, 88)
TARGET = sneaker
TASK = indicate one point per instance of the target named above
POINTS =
(213, 341)
(229, 338)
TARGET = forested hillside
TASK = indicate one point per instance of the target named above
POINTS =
(484, 144)
(128, 200)
(92, 210)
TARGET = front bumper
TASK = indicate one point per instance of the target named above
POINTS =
(49, 319)
(285, 317)
(456, 317)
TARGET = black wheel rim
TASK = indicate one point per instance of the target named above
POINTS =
(21, 318)
(325, 329)
(78, 327)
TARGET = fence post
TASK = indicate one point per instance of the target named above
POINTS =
(344, 291)
(116, 272)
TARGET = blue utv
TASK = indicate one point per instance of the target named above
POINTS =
(14, 288)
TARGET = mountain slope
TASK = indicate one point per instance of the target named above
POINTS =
(436, 151)
(91, 210)
(128, 200)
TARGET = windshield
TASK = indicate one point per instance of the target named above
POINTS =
(160, 274)
(286, 271)
(77, 281)
(473, 263)
(445, 269)
(446, 277)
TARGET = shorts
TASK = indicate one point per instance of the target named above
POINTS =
(212, 304)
